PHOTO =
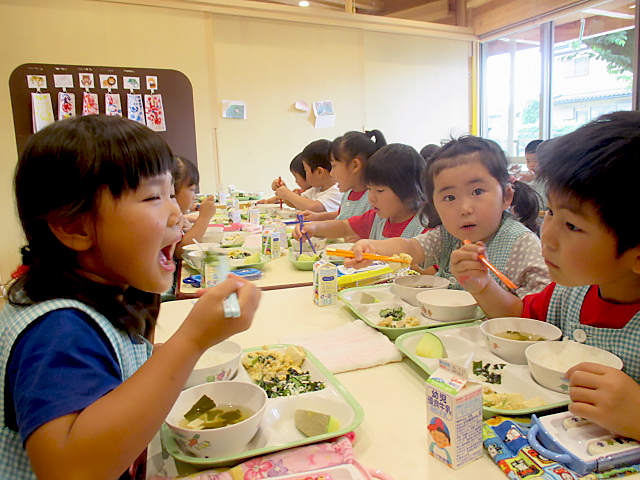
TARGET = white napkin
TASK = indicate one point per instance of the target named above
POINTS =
(347, 348)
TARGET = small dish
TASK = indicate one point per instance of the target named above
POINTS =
(302, 264)
(217, 364)
(447, 305)
(409, 286)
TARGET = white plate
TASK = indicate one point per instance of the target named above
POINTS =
(459, 342)
(277, 430)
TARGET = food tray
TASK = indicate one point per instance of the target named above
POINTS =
(277, 430)
(369, 313)
(459, 342)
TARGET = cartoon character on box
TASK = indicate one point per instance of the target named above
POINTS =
(441, 440)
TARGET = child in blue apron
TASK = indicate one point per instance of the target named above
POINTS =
(83, 396)
(468, 192)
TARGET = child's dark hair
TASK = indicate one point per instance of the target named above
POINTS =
(398, 167)
(532, 146)
(316, 154)
(296, 166)
(185, 174)
(356, 144)
(599, 164)
(59, 178)
(464, 150)
(526, 206)
(428, 150)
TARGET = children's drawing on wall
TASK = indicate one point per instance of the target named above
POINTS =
(323, 111)
(234, 109)
(37, 81)
(112, 104)
(90, 105)
(152, 82)
(441, 440)
(154, 112)
(66, 105)
(131, 83)
(41, 110)
(135, 108)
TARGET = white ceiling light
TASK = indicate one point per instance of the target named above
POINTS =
(303, 3)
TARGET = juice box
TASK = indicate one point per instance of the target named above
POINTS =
(454, 415)
(325, 283)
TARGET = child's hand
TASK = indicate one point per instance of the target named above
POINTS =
(283, 192)
(606, 396)
(310, 228)
(360, 247)
(206, 321)
(277, 183)
(310, 216)
(466, 266)
(208, 207)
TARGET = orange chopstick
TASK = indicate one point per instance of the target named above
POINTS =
(369, 256)
(497, 272)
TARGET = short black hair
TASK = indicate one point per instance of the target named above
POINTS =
(532, 146)
(296, 166)
(316, 154)
(599, 163)
(428, 150)
(398, 167)
(185, 173)
(356, 144)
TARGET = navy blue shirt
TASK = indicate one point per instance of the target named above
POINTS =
(61, 363)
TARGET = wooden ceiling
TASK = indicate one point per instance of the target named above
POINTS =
(483, 16)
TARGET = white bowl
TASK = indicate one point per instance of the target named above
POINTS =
(447, 305)
(549, 361)
(205, 246)
(409, 286)
(219, 363)
(513, 350)
(194, 259)
(224, 441)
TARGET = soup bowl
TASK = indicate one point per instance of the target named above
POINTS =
(218, 363)
(223, 441)
(409, 286)
(447, 305)
(512, 350)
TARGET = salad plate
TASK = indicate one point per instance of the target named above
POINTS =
(459, 342)
(277, 430)
(385, 299)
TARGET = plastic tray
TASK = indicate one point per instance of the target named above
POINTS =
(369, 312)
(459, 342)
(277, 430)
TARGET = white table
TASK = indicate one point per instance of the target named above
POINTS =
(393, 435)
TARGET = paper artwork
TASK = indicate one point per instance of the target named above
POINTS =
(63, 81)
(234, 109)
(90, 104)
(112, 104)
(66, 105)
(302, 106)
(131, 83)
(108, 81)
(37, 81)
(323, 112)
(41, 111)
(152, 82)
(135, 108)
(86, 80)
(154, 112)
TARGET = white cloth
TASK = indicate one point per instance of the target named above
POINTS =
(330, 198)
(347, 348)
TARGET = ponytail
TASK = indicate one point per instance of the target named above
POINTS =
(526, 206)
(357, 144)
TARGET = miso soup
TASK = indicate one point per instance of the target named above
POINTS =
(521, 336)
(217, 417)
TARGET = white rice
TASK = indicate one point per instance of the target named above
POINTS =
(572, 353)
(211, 358)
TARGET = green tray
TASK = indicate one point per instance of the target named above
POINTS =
(349, 295)
(460, 340)
(278, 409)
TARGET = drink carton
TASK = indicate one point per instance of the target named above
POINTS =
(454, 415)
(325, 283)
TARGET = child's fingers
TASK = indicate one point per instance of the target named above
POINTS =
(584, 371)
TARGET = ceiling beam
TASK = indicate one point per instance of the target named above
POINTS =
(430, 12)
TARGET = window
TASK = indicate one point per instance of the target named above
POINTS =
(590, 64)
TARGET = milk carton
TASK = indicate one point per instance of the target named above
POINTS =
(271, 244)
(254, 215)
(454, 415)
(325, 283)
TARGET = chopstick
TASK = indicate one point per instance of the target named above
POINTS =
(300, 217)
(368, 256)
(497, 272)
(280, 179)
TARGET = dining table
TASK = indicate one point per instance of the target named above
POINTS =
(393, 435)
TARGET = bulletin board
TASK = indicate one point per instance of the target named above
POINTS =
(174, 87)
